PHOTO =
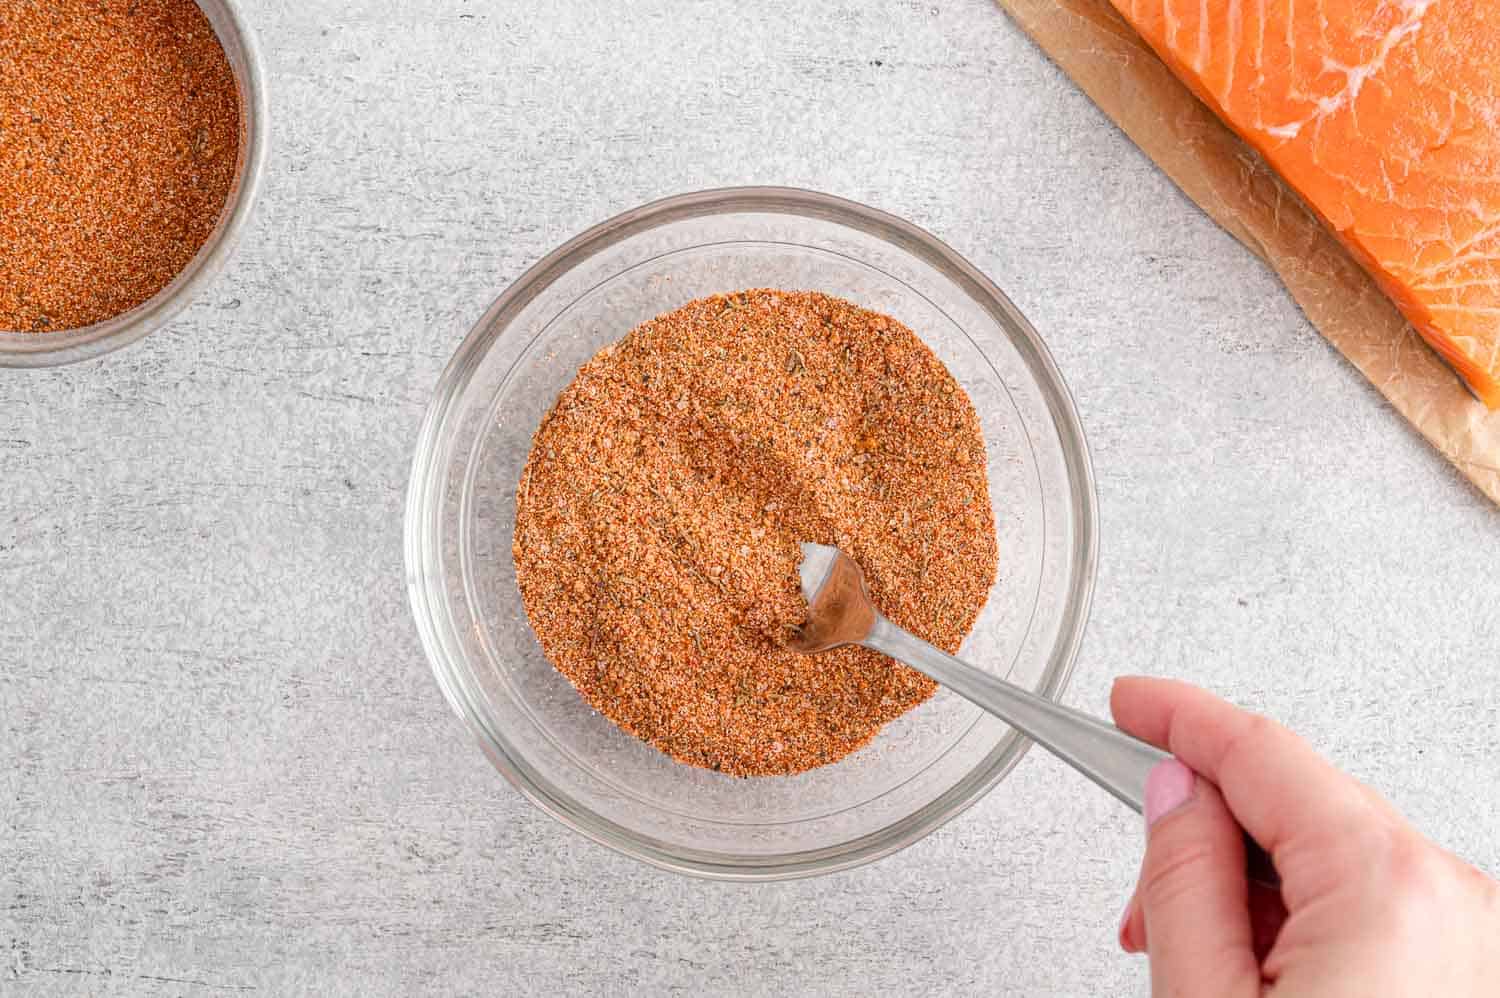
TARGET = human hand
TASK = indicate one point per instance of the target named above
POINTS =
(1368, 907)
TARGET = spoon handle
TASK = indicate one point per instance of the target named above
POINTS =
(1116, 761)
(1102, 752)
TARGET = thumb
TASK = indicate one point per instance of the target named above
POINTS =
(1192, 892)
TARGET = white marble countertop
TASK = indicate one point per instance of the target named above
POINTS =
(224, 764)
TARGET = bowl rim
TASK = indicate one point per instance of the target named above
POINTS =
(425, 486)
(69, 346)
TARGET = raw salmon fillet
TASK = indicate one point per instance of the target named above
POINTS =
(1385, 116)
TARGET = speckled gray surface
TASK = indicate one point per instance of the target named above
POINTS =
(224, 765)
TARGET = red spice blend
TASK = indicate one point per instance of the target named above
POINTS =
(660, 509)
(119, 144)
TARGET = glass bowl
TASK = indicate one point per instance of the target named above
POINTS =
(923, 768)
(69, 346)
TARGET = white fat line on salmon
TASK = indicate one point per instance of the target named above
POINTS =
(1171, 22)
(1355, 76)
(1234, 49)
(1201, 56)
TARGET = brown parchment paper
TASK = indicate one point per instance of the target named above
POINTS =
(1230, 181)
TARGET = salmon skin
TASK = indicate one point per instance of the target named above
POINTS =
(1384, 115)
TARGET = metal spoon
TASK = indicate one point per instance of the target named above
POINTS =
(840, 613)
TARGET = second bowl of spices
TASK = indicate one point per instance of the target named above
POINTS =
(131, 152)
(608, 489)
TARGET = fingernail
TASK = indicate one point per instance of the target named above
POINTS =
(1169, 785)
(1125, 943)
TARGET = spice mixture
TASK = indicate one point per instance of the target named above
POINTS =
(119, 143)
(661, 507)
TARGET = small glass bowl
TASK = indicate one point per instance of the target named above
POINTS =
(68, 346)
(923, 768)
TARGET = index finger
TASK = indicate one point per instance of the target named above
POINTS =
(1275, 784)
